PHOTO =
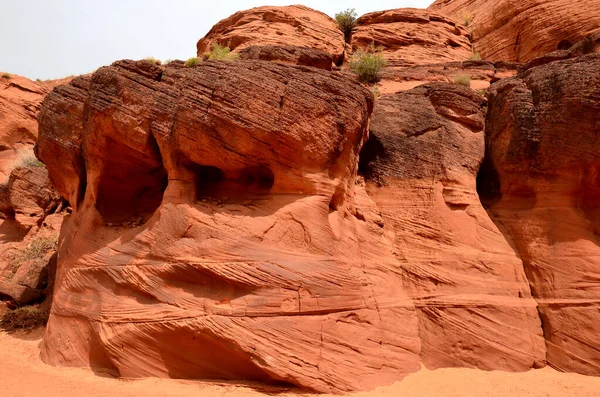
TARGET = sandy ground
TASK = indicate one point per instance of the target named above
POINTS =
(22, 374)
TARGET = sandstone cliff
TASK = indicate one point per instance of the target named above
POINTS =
(541, 183)
(472, 297)
(518, 31)
(266, 219)
(280, 26)
(219, 239)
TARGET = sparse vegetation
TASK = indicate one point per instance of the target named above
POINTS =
(467, 19)
(38, 80)
(36, 249)
(463, 80)
(24, 318)
(346, 20)
(6, 76)
(368, 64)
(28, 159)
(375, 91)
(475, 56)
(153, 60)
(220, 53)
(192, 62)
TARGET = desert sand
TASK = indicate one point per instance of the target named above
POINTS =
(23, 374)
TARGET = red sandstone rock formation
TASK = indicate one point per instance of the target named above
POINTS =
(30, 196)
(481, 73)
(29, 225)
(301, 56)
(469, 287)
(20, 101)
(218, 232)
(280, 26)
(589, 45)
(542, 185)
(518, 31)
(412, 36)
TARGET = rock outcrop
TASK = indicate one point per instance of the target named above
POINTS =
(20, 101)
(480, 73)
(589, 45)
(277, 26)
(224, 236)
(31, 214)
(420, 166)
(541, 183)
(518, 31)
(412, 36)
(29, 196)
(291, 55)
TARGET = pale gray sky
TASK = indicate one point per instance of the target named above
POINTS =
(49, 39)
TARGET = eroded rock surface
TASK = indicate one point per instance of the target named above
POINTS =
(543, 187)
(302, 56)
(411, 36)
(480, 73)
(217, 232)
(420, 165)
(279, 26)
(20, 101)
(518, 31)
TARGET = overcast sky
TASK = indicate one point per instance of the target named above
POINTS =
(49, 39)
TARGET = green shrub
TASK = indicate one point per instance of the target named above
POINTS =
(475, 57)
(6, 76)
(220, 53)
(153, 60)
(25, 317)
(346, 20)
(368, 64)
(463, 80)
(192, 62)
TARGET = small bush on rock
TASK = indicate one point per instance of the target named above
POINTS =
(463, 80)
(475, 57)
(192, 62)
(25, 317)
(29, 160)
(220, 53)
(153, 60)
(467, 19)
(368, 64)
(346, 20)
(6, 76)
(376, 93)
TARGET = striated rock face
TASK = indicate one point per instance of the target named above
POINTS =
(218, 231)
(542, 186)
(301, 56)
(589, 45)
(481, 73)
(472, 297)
(29, 196)
(280, 26)
(412, 36)
(20, 101)
(518, 31)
